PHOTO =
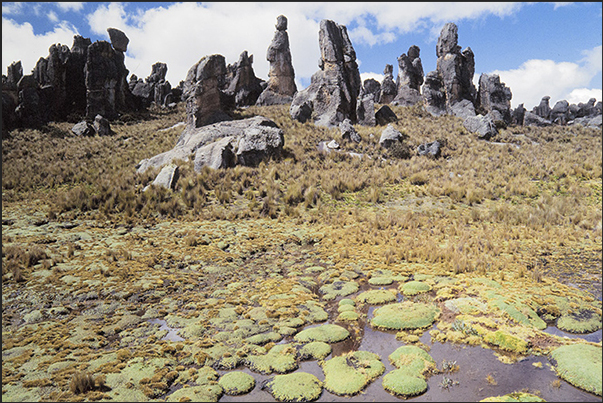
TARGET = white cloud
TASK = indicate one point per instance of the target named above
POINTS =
(20, 43)
(376, 76)
(12, 8)
(52, 16)
(536, 78)
(583, 95)
(70, 6)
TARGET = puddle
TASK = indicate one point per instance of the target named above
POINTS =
(595, 337)
(172, 334)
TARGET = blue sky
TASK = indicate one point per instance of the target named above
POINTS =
(537, 48)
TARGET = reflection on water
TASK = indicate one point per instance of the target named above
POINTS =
(595, 337)
(172, 334)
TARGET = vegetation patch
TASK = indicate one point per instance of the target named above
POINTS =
(412, 288)
(328, 333)
(338, 289)
(348, 374)
(405, 315)
(398, 382)
(580, 365)
(280, 359)
(297, 387)
(315, 350)
(237, 382)
(381, 280)
(466, 305)
(348, 316)
(376, 297)
(506, 341)
(583, 321)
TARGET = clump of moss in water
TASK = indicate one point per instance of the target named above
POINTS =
(326, 333)
(207, 390)
(583, 321)
(312, 311)
(580, 365)
(263, 338)
(466, 305)
(348, 316)
(514, 397)
(519, 312)
(348, 374)
(338, 288)
(280, 359)
(296, 387)
(408, 379)
(381, 280)
(506, 341)
(405, 315)
(237, 383)
(315, 350)
(412, 288)
(376, 297)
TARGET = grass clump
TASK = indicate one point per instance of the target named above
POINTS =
(326, 333)
(348, 374)
(412, 288)
(405, 315)
(582, 321)
(236, 383)
(376, 297)
(580, 365)
(297, 387)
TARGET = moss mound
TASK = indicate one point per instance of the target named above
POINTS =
(381, 280)
(316, 350)
(237, 383)
(338, 288)
(405, 315)
(414, 288)
(521, 313)
(203, 393)
(313, 312)
(297, 387)
(280, 359)
(326, 333)
(506, 341)
(514, 397)
(466, 305)
(263, 338)
(345, 308)
(580, 365)
(398, 382)
(583, 321)
(348, 374)
(412, 359)
(376, 297)
(348, 316)
(347, 301)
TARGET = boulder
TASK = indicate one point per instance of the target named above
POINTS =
(167, 177)
(30, 108)
(334, 89)
(385, 115)
(224, 144)
(410, 78)
(543, 109)
(389, 90)
(281, 77)
(434, 94)
(83, 128)
(207, 99)
(119, 40)
(462, 109)
(518, 114)
(365, 110)
(455, 67)
(482, 125)
(302, 112)
(102, 126)
(372, 88)
(390, 136)
(494, 96)
(348, 132)
(432, 149)
(245, 86)
(589, 121)
(532, 119)
(559, 113)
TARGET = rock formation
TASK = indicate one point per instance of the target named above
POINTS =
(118, 39)
(543, 109)
(372, 88)
(432, 149)
(389, 90)
(455, 67)
(205, 92)
(385, 115)
(482, 125)
(434, 94)
(224, 144)
(390, 136)
(154, 88)
(335, 87)
(518, 114)
(365, 108)
(281, 76)
(494, 98)
(559, 113)
(348, 132)
(410, 78)
(244, 86)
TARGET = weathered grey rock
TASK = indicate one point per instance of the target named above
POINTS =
(410, 78)
(207, 100)
(333, 145)
(518, 114)
(390, 136)
(482, 125)
(76, 75)
(334, 89)
(372, 88)
(385, 115)
(158, 73)
(302, 112)
(167, 177)
(102, 126)
(532, 119)
(14, 72)
(455, 67)
(434, 94)
(51, 74)
(29, 110)
(365, 110)
(559, 113)
(281, 77)
(462, 109)
(119, 40)
(348, 132)
(162, 90)
(245, 86)
(494, 96)
(589, 121)
(432, 149)
(144, 91)
(246, 142)
(83, 128)
(389, 90)
(108, 93)
(543, 109)
(586, 109)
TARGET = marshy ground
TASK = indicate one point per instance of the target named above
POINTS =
(488, 259)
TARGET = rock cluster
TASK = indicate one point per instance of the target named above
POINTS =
(410, 78)
(154, 88)
(494, 98)
(332, 95)
(242, 82)
(563, 113)
(389, 90)
(281, 77)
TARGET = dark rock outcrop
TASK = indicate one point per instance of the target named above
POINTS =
(224, 144)
(560, 112)
(494, 98)
(365, 109)
(482, 125)
(389, 90)
(118, 39)
(385, 115)
(205, 92)
(154, 88)
(30, 111)
(543, 109)
(432, 149)
(334, 89)
(372, 88)
(434, 94)
(348, 132)
(281, 77)
(518, 114)
(410, 78)
(532, 119)
(244, 86)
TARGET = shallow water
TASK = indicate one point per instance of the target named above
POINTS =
(595, 337)
(172, 334)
